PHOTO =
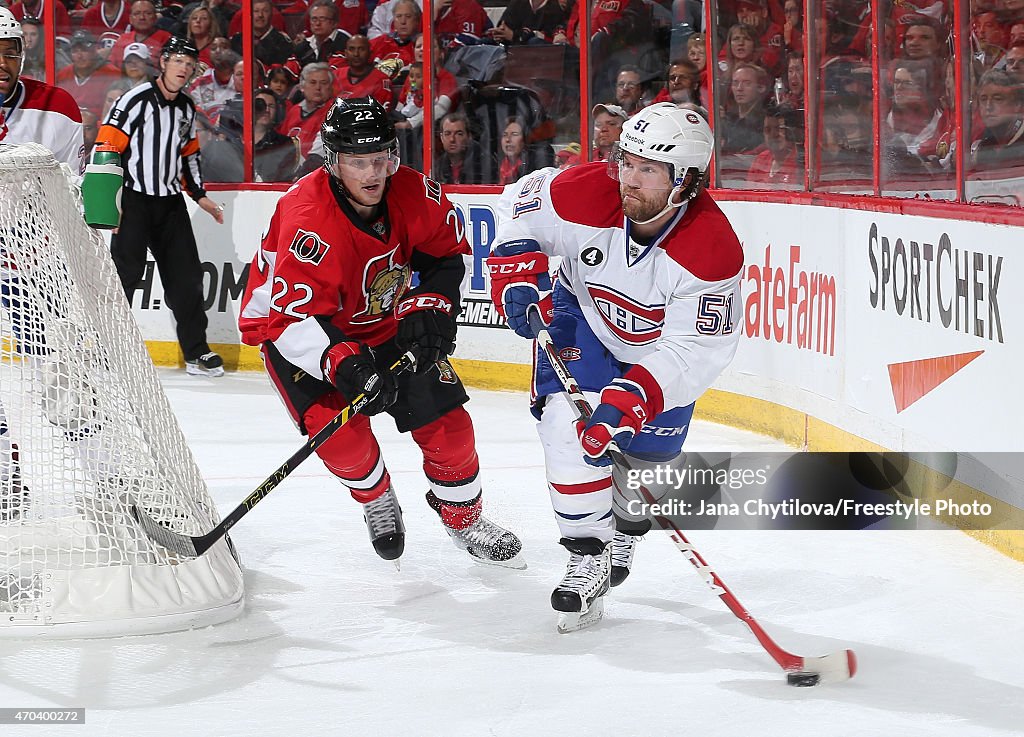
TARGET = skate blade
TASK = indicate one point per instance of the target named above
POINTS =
(517, 563)
(575, 621)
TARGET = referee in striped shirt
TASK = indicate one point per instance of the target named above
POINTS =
(154, 127)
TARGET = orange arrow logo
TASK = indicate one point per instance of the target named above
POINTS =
(913, 379)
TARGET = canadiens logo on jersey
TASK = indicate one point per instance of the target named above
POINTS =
(308, 247)
(633, 323)
(384, 281)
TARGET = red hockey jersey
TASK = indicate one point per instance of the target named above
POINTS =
(320, 264)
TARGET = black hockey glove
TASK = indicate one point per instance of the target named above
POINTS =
(426, 327)
(350, 367)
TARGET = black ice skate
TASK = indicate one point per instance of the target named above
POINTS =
(485, 541)
(384, 523)
(579, 598)
(623, 546)
(208, 364)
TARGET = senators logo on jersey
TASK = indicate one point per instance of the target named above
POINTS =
(384, 282)
(308, 247)
(632, 322)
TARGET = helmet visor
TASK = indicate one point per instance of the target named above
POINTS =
(637, 171)
(361, 165)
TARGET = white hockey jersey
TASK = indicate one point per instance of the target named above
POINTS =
(40, 113)
(670, 307)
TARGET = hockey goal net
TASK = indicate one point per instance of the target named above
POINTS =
(86, 430)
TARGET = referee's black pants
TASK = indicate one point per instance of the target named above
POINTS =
(162, 225)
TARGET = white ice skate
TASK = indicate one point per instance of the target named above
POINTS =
(579, 597)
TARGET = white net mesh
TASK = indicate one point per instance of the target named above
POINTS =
(85, 430)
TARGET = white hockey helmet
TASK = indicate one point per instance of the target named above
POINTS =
(678, 137)
(10, 27)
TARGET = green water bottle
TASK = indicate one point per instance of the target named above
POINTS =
(101, 188)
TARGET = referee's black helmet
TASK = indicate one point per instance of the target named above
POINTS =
(178, 45)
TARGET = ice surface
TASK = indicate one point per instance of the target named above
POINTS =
(334, 641)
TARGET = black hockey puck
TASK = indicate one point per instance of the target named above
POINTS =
(803, 679)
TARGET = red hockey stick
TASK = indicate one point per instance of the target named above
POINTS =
(800, 670)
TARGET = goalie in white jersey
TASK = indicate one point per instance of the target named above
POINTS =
(645, 310)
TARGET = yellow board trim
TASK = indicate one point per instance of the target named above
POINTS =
(789, 425)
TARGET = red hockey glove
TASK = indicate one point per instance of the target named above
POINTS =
(520, 278)
(620, 415)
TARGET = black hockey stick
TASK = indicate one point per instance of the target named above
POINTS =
(196, 545)
(800, 670)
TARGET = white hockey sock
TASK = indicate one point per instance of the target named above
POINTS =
(584, 515)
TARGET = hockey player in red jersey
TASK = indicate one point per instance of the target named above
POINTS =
(328, 301)
(645, 307)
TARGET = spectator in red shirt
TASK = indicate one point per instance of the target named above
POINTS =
(360, 78)
(107, 20)
(779, 166)
(754, 13)
(87, 77)
(144, 30)
(303, 121)
(37, 9)
(398, 44)
(203, 27)
(741, 46)
(463, 20)
(683, 84)
(353, 16)
(697, 53)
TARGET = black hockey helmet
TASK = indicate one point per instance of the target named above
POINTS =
(358, 125)
(178, 45)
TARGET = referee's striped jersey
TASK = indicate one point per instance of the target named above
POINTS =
(157, 141)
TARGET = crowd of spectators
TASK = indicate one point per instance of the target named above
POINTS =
(762, 74)
(506, 97)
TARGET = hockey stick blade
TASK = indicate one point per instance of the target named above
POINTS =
(823, 669)
(195, 545)
(805, 671)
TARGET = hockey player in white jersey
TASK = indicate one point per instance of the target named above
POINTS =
(30, 112)
(644, 310)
